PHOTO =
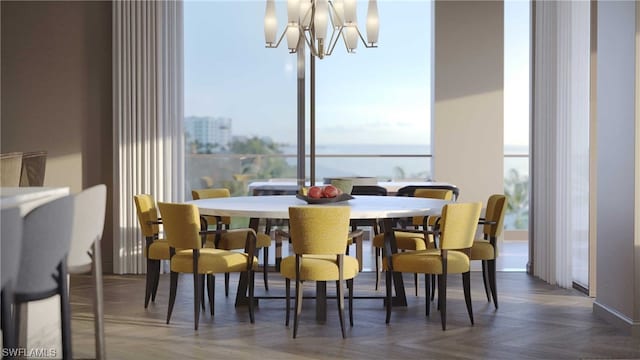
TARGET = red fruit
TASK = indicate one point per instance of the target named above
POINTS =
(315, 192)
(330, 191)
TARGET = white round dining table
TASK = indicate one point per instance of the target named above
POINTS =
(362, 206)
(384, 208)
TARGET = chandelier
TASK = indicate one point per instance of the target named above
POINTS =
(307, 20)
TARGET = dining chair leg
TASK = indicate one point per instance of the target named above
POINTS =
(433, 286)
(296, 315)
(466, 285)
(173, 287)
(252, 276)
(340, 298)
(197, 299)
(265, 267)
(149, 282)
(350, 286)
(378, 260)
(98, 303)
(211, 289)
(156, 280)
(203, 291)
(287, 285)
(389, 299)
(485, 280)
(415, 282)
(427, 293)
(491, 264)
(442, 299)
(65, 310)
(19, 330)
(8, 328)
(226, 284)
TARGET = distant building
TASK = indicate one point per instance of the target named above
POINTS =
(212, 134)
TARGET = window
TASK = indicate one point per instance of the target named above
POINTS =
(240, 98)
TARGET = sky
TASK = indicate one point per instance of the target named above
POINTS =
(383, 94)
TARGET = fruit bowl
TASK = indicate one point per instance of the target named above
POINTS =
(339, 198)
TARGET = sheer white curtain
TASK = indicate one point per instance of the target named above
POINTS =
(148, 116)
(560, 162)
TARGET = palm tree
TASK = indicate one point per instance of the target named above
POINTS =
(516, 188)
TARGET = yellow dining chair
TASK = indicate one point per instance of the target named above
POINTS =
(182, 227)
(416, 238)
(486, 249)
(319, 240)
(458, 225)
(156, 249)
(231, 240)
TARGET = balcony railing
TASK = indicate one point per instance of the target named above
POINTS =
(236, 171)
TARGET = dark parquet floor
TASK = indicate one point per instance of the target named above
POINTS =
(534, 321)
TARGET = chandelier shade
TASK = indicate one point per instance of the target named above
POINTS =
(321, 24)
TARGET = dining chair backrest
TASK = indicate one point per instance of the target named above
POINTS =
(410, 190)
(10, 243)
(210, 193)
(213, 193)
(271, 192)
(147, 214)
(10, 168)
(181, 224)
(368, 190)
(458, 225)
(33, 168)
(45, 243)
(88, 223)
(496, 207)
(442, 194)
(321, 230)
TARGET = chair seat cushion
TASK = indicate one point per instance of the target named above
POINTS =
(429, 262)
(482, 250)
(319, 267)
(211, 261)
(159, 250)
(404, 240)
(236, 238)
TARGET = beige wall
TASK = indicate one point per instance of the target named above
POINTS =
(468, 116)
(618, 282)
(56, 91)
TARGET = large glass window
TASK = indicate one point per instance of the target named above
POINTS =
(383, 95)
(516, 112)
(517, 44)
(240, 98)
(240, 112)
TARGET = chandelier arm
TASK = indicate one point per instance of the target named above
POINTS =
(335, 13)
(271, 46)
(364, 41)
(334, 40)
(310, 43)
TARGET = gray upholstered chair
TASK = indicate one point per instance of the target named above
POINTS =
(42, 272)
(84, 255)
(10, 242)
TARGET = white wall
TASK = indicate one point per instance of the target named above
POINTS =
(468, 88)
(617, 280)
